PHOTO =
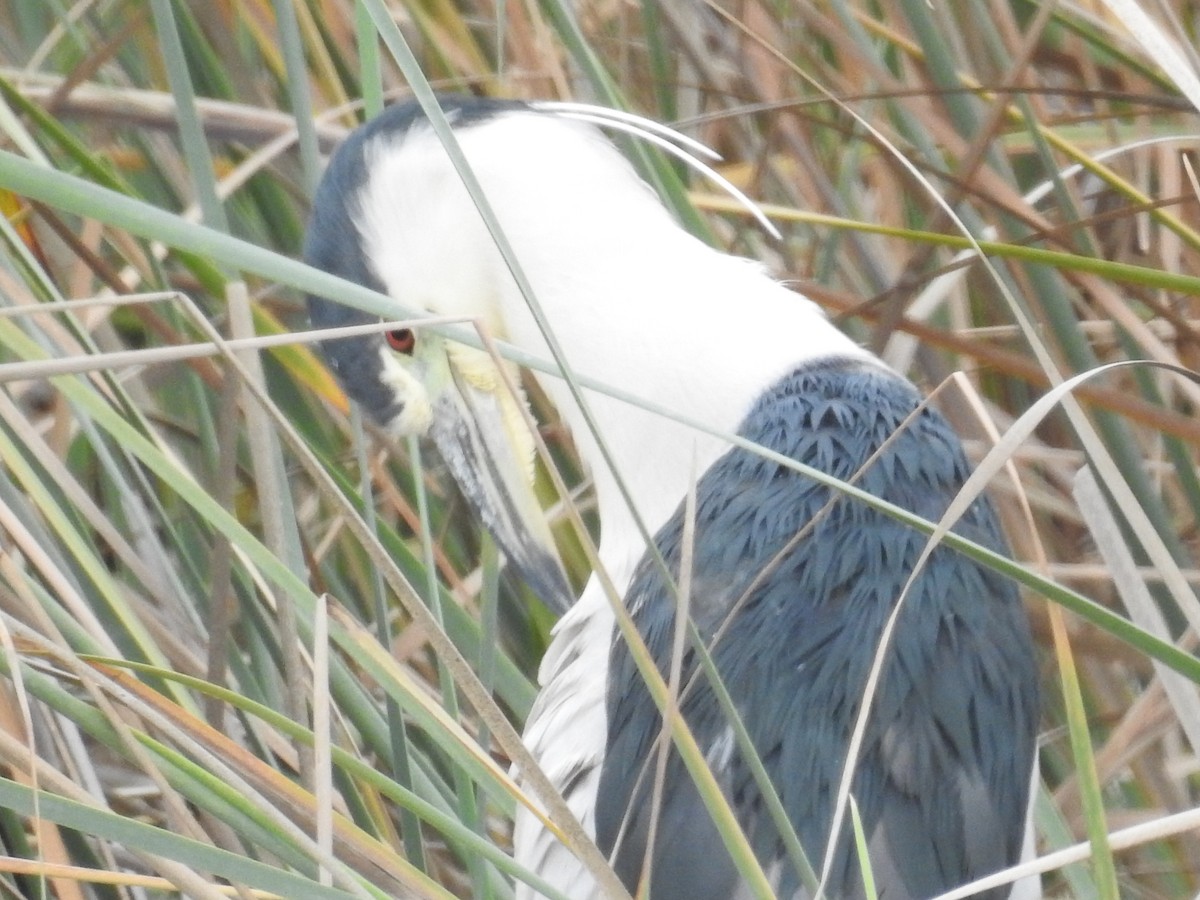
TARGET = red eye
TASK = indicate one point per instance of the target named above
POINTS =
(402, 340)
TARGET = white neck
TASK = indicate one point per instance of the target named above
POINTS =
(717, 310)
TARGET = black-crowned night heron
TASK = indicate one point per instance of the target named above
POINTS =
(790, 581)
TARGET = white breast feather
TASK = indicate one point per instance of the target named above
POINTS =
(566, 732)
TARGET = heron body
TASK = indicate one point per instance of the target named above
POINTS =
(790, 581)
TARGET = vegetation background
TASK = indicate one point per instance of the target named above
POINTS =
(997, 195)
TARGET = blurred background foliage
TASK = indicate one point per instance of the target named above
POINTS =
(173, 717)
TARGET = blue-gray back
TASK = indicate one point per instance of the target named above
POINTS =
(942, 781)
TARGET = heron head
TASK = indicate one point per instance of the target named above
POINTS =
(393, 213)
(413, 380)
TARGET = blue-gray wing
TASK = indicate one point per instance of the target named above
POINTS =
(798, 580)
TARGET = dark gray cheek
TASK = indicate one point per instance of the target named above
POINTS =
(357, 365)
